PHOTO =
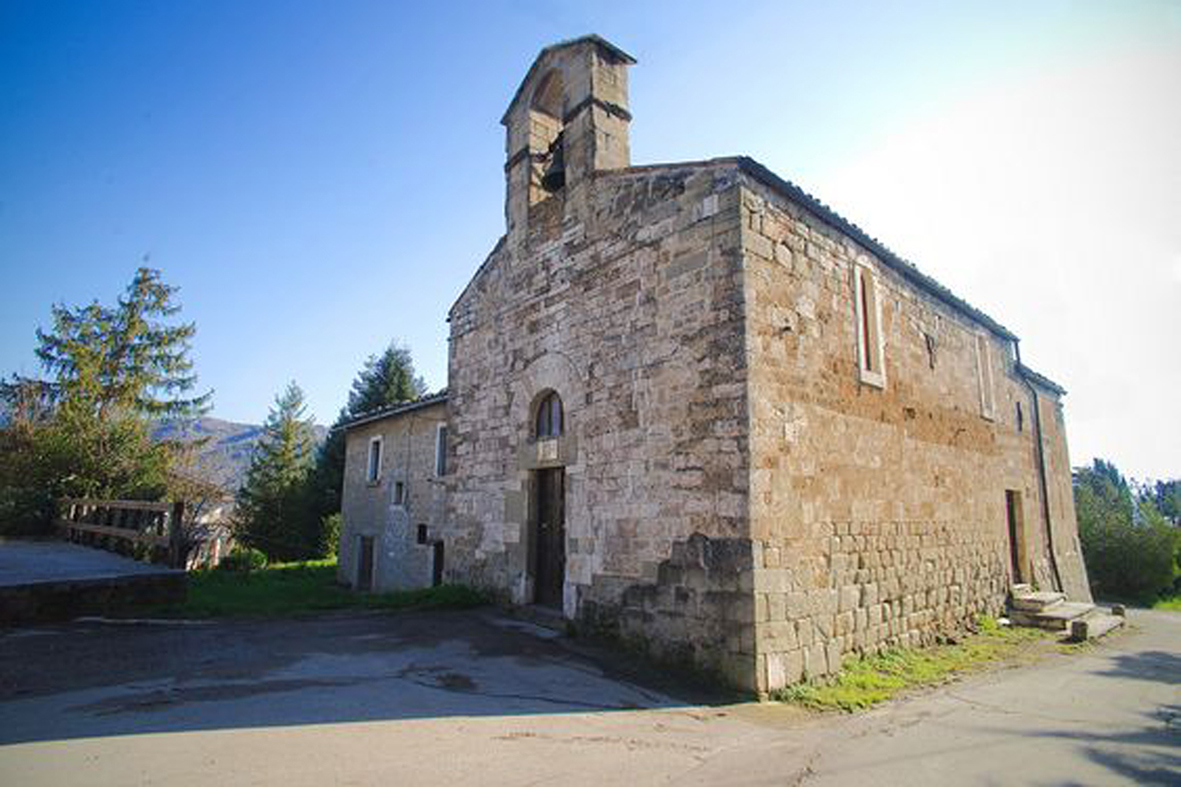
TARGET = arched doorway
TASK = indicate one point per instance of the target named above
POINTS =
(549, 489)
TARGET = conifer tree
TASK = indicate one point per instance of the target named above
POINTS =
(112, 370)
(385, 380)
(110, 363)
(271, 512)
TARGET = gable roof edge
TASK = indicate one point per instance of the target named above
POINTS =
(896, 263)
(439, 397)
(615, 52)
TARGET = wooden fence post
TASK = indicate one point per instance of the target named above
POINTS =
(176, 535)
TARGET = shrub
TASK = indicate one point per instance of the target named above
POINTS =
(1128, 560)
(330, 535)
(1128, 546)
(244, 559)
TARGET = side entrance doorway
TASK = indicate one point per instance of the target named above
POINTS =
(1016, 522)
(365, 564)
(549, 569)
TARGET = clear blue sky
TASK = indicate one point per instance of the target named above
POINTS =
(321, 177)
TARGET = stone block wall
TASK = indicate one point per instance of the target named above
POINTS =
(1063, 520)
(634, 317)
(878, 513)
(368, 508)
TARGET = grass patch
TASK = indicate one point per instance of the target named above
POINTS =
(294, 588)
(866, 681)
(1172, 604)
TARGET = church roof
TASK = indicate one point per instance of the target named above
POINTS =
(396, 409)
(1040, 379)
(903, 267)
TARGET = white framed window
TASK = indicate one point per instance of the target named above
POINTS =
(373, 472)
(984, 377)
(440, 450)
(868, 307)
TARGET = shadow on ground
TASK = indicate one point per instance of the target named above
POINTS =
(101, 678)
(1155, 760)
(1156, 757)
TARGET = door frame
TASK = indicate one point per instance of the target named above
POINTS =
(366, 562)
(541, 560)
(1016, 536)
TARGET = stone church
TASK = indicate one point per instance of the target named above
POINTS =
(691, 404)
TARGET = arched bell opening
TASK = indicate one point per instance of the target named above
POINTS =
(548, 161)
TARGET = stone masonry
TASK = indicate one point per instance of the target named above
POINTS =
(780, 443)
(372, 509)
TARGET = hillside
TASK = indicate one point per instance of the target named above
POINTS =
(226, 453)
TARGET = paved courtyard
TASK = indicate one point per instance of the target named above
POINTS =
(462, 698)
(29, 562)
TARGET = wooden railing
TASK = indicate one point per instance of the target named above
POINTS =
(138, 528)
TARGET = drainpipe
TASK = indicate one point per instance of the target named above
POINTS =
(1041, 469)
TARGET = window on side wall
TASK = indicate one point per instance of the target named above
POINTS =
(441, 450)
(373, 474)
(871, 368)
(984, 377)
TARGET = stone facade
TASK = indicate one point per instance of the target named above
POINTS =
(390, 505)
(879, 512)
(780, 443)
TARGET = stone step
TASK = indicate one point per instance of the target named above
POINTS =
(1056, 617)
(1020, 589)
(1036, 602)
(1094, 625)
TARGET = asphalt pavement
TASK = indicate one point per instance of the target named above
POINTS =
(462, 698)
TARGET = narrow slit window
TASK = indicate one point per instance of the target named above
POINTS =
(373, 474)
(399, 493)
(869, 330)
(441, 450)
(866, 329)
(984, 375)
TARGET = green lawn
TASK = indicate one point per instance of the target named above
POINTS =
(1173, 604)
(293, 588)
(867, 681)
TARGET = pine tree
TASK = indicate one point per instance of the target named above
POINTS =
(110, 363)
(112, 370)
(385, 380)
(271, 511)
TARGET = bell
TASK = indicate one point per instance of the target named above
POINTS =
(554, 178)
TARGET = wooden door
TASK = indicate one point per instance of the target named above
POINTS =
(550, 569)
(1016, 534)
(365, 564)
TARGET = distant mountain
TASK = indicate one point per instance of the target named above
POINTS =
(224, 457)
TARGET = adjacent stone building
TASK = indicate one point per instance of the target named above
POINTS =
(693, 405)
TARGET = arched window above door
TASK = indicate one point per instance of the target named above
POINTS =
(549, 416)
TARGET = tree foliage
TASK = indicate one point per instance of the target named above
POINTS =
(86, 431)
(1129, 546)
(1166, 495)
(111, 362)
(386, 379)
(271, 513)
